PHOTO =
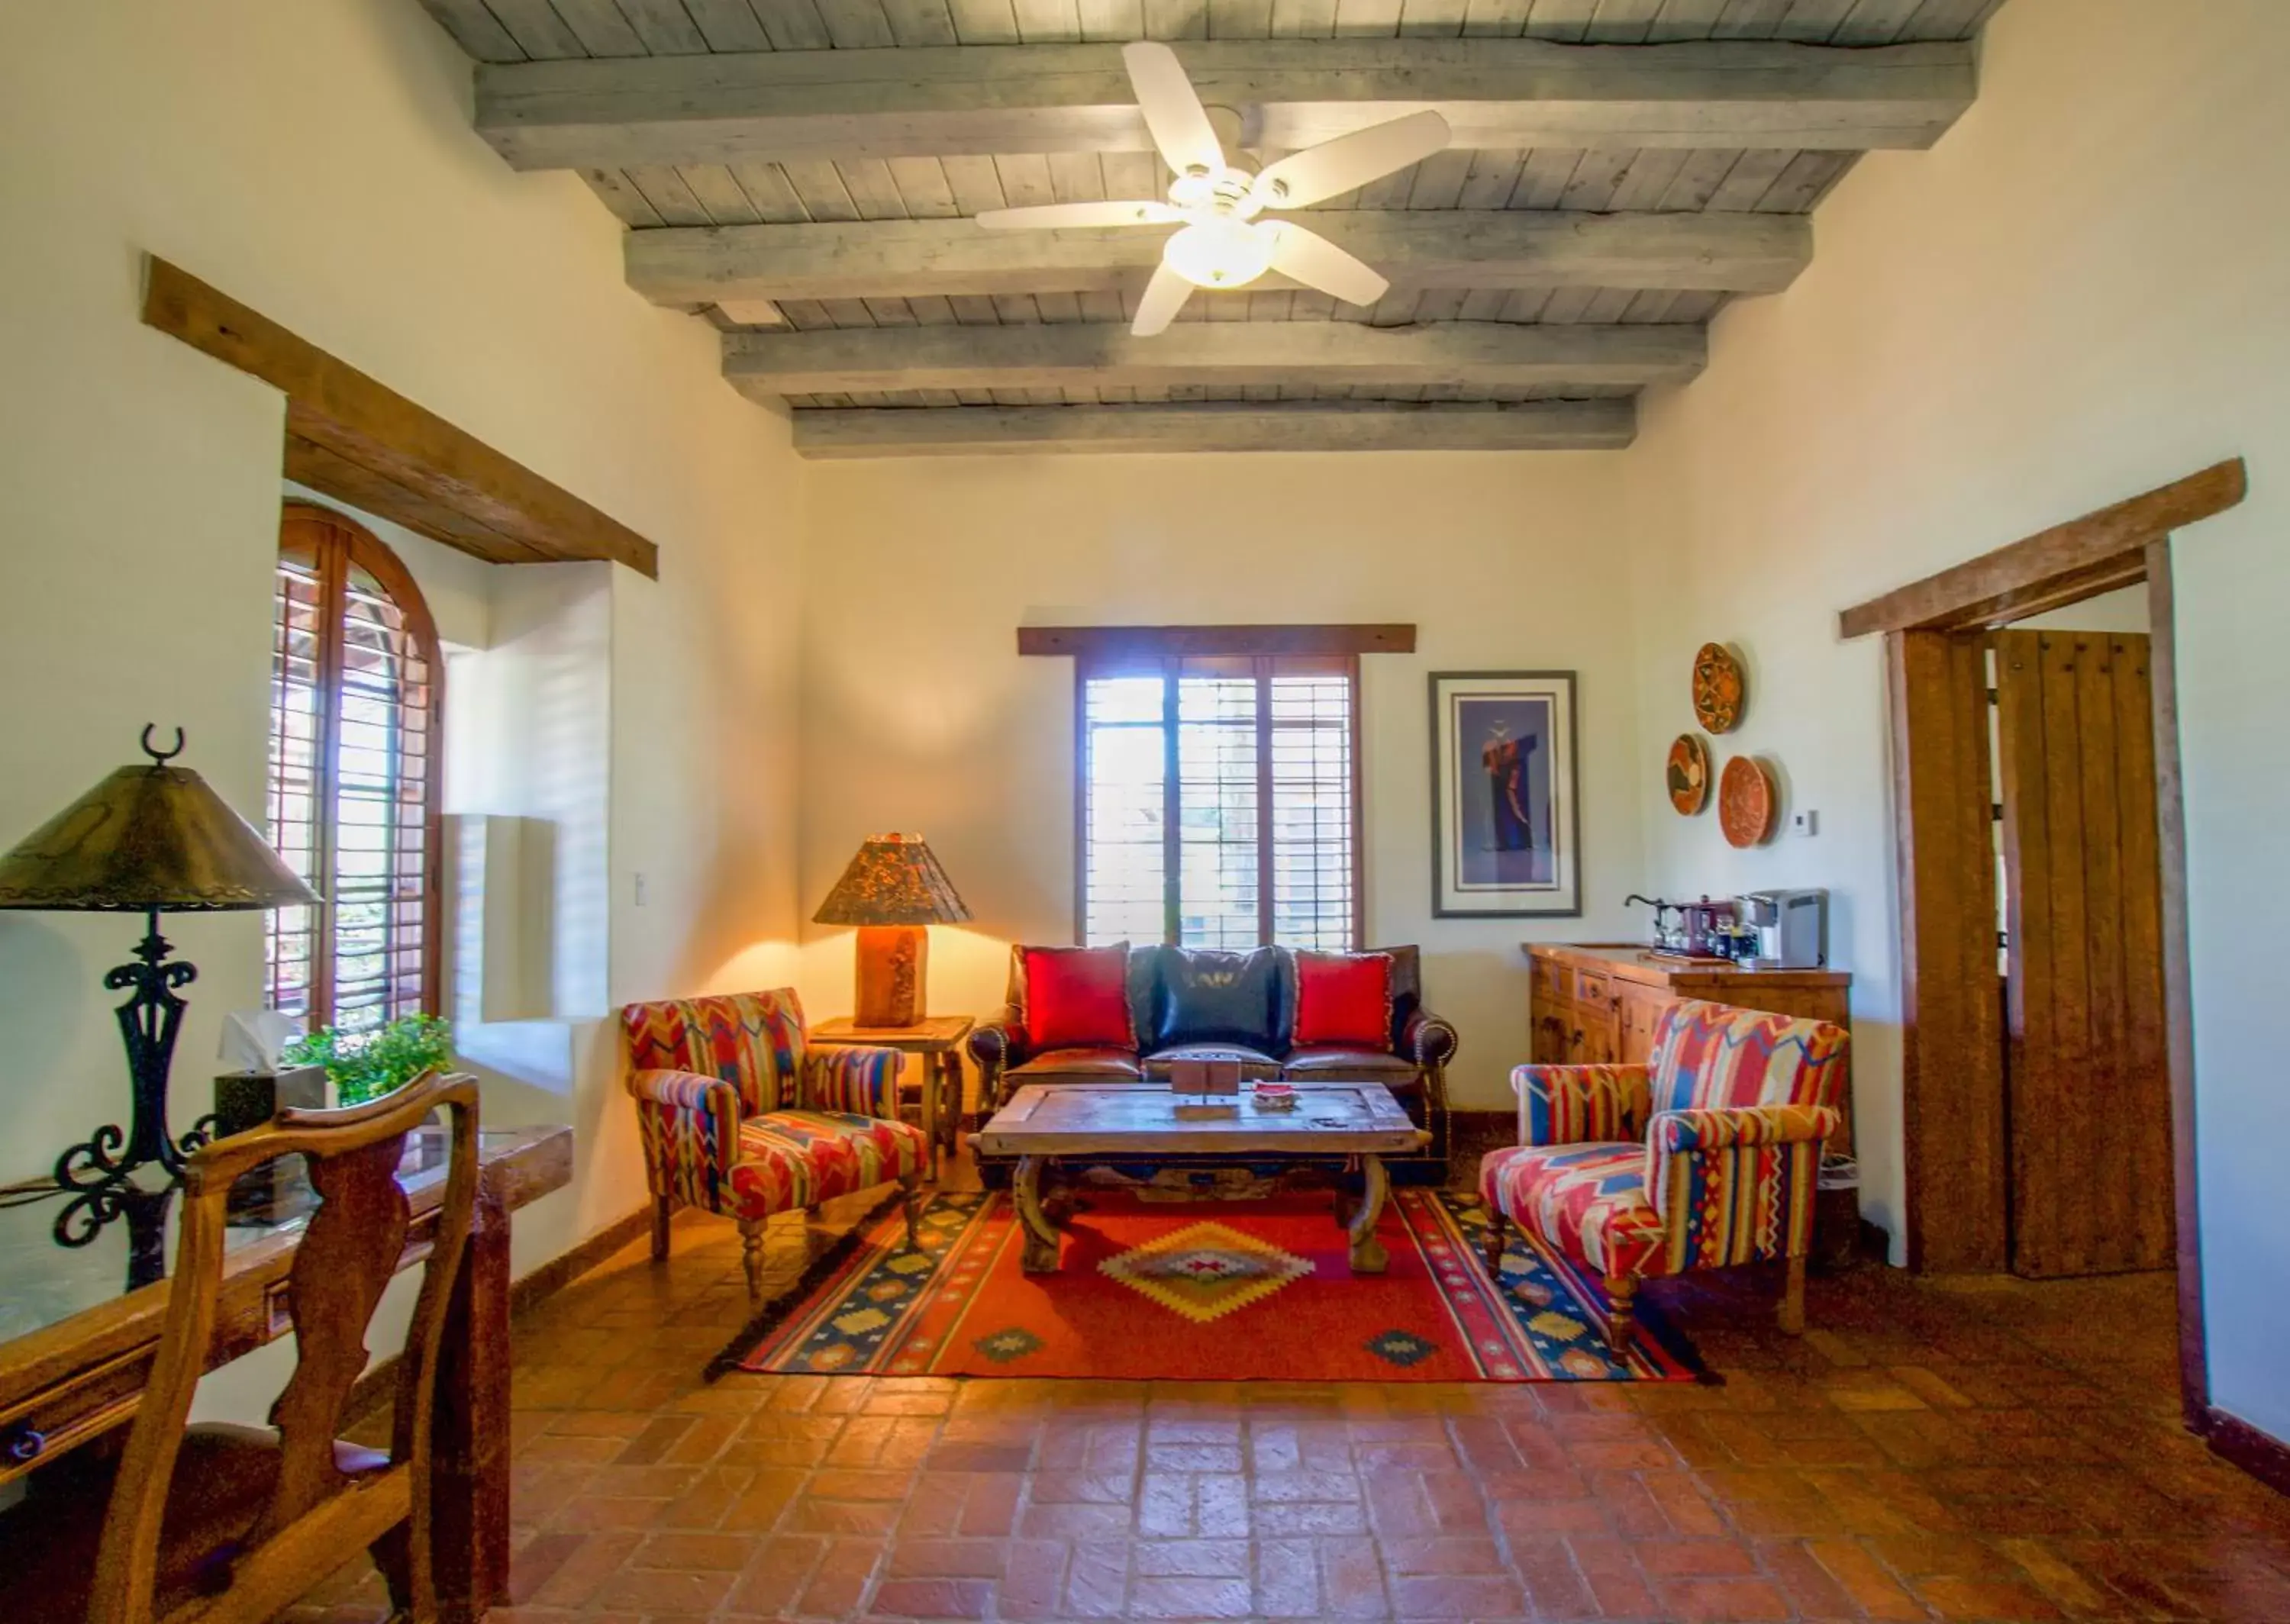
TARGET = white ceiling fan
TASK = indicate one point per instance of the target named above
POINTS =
(1223, 243)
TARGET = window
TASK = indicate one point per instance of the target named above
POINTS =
(1221, 801)
(353, 786)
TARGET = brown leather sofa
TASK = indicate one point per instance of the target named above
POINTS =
(1412, 1064)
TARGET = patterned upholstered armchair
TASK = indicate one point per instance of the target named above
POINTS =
(1705, 1156)
(740, 1116)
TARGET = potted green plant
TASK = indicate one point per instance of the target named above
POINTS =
(363, 1065)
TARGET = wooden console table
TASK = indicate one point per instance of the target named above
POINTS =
(1596, 1003)
(76, 1341)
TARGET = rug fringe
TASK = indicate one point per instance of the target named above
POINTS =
(815, 1275)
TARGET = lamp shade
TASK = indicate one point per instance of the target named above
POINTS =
(894, 880)
(153, 838)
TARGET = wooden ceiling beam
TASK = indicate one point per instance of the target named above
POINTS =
(1047, 356)
(684, 267)
(971, 431)
(954, 99)
(356, 438)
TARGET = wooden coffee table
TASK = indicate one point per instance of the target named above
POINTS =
(1146, 1122)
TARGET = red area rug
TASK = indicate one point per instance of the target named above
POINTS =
(1195, 1291)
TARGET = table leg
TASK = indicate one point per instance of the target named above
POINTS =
(951, 1123)
(469, 1435)
(1368, 1255)
(1042, 1238)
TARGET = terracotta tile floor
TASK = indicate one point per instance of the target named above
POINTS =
(1927, 1451)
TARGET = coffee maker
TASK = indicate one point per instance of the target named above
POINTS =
(1791, 928)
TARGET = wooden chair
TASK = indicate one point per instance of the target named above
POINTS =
(221, 1523)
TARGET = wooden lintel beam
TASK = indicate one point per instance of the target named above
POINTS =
(971, 431)
(1469, 248)
(308, 463)
(1045, 355)
(1106, 642)
(2027, 573)
(943, 100)
(363, 425)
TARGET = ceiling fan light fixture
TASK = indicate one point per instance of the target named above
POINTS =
(1219, 254)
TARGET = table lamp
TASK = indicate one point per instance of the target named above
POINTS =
(148, 839)
(893, 891)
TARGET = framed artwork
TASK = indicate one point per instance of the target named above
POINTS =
(1505, 837)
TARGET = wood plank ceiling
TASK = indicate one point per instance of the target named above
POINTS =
(801, 173)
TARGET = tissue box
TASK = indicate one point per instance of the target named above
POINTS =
(245, 1099)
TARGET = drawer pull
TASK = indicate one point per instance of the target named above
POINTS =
(25, 1444)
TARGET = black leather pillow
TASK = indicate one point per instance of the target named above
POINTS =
(1210, 996)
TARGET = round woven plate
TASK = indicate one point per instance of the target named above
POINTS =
(1719, 687)
(1746, 802)
(1686, 774)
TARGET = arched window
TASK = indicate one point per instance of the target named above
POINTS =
(354, 768)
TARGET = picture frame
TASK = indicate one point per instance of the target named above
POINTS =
(1505, 829)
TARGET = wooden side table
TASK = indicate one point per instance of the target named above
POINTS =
(938, 1041)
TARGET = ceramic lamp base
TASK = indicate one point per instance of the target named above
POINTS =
(894, 960)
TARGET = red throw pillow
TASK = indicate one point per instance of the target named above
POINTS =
(1078, 999)
(1344, 999)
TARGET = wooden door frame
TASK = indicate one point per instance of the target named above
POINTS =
(1951, 1055)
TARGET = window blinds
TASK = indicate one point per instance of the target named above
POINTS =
(352, 782)
(1221, 803)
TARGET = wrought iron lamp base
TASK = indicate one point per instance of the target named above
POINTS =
(100, 1170)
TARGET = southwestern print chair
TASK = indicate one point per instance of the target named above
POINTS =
(740, 1116)
(1704, 1158)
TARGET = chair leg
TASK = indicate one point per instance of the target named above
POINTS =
(910, 1203)
(1623, 1327)
(662, 1209)
(751, 1256)
(1792, 1308)
(1496, 1223)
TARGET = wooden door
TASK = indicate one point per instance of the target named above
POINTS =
(2087, 1093)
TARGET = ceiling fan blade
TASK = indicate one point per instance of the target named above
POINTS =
(1165, 296)
(1054, 215)
(1308, 258)
(1173, 109)
(1351, 160)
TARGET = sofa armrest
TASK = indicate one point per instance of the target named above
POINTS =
(1580, 1105)
(690, 1125)
(1736, 1184)
(1428, 1040)
(856, 1078)
(996, 1046)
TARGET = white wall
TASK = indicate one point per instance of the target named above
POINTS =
(315, 160)
(2076, 296)
(919, 715)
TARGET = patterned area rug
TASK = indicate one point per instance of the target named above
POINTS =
(1227, 1291)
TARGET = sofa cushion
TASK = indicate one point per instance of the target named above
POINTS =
(1255, 1063)
(1079, 1065)
(1077, 998)
(1335, 1062)
(1344, 999)
(1206, 995)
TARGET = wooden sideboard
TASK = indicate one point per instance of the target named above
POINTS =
(1596, 1003)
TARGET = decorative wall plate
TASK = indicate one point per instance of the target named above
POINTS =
(1719, 687)
(1747, 802)
(1686, 774)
